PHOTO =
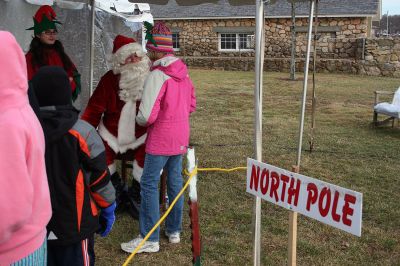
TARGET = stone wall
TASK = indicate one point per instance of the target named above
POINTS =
(381, 57)
(342, 46)
(337, 36)
(273, 64)
(377, 57)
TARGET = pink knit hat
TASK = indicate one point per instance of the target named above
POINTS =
(159, 38)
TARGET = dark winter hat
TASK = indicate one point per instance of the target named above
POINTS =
(44, 19)
(52, 86)
(159, 37)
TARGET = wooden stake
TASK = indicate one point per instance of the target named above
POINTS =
(292, 238)
(293, 231)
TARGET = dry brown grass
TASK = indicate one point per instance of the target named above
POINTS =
(348, 152)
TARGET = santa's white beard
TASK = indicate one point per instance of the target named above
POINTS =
(132, 79)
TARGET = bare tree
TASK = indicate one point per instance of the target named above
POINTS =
(293, 55)
(391, 23)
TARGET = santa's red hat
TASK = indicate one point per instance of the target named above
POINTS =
(123, 48)
(120, 41)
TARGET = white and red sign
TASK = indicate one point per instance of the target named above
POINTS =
(327, 203)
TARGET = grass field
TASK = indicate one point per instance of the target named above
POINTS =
(349, 152)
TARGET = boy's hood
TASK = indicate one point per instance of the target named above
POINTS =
(171, 66)
(13, 73)
(57, 121)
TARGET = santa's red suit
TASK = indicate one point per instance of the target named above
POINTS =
(113, 106)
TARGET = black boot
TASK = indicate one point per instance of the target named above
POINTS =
(133, 205)
(120, 194)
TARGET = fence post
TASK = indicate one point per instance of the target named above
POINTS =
(363, 49)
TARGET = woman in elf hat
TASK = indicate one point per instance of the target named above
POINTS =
(45, 49)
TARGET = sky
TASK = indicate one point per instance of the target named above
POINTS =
(393, 6)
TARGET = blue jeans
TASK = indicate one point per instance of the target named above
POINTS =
(150, 203)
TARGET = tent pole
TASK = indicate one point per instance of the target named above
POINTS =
(305, 82)
(314, 97)
(293, 215)
(259, 66)
(93, 15)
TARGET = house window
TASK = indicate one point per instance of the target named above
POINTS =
(175, 41)
(236, 41)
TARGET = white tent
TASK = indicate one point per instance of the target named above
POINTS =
(259, 63)
(258, 90)
(82, 32)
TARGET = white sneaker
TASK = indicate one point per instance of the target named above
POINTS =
(148, 246)
(173, 238)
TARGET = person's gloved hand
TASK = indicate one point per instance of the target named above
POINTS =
(107, 219)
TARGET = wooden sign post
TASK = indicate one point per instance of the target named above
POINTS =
(293, 232)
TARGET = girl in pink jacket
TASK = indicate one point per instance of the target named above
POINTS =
(24, 194)
(167, 101)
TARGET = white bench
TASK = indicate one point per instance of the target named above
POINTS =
(388, 109)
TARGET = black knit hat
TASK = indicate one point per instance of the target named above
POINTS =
(52, 86)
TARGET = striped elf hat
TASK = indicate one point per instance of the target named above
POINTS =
(159, 38)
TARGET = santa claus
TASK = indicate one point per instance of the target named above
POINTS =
(113, 106)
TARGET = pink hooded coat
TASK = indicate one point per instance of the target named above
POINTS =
(167, 101)
(24, 194)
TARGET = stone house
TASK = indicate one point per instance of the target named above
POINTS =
(220, 35)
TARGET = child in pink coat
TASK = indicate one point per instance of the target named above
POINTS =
(24, 194)
(167, 101)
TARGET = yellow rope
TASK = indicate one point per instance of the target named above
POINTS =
(190, 175)
(220, 169)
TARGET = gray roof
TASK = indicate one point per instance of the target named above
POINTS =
(335, 8)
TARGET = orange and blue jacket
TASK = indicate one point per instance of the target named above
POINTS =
(78, 176)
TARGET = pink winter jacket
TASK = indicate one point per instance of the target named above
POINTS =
(24, 194)
(167, 101)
